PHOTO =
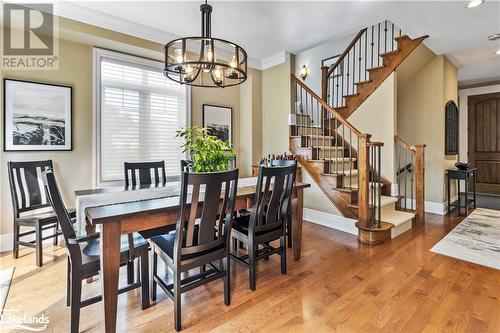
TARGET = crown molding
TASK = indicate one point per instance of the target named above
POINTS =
(86, 15)
(274, 60)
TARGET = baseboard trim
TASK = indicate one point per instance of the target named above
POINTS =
(439, 208)
(333, 221)
(7, 240)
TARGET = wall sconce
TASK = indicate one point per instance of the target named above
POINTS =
(303, 72)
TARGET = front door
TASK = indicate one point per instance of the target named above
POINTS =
(484, 140)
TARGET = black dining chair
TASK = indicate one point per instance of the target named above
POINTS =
(279, 163)
(84, 256)
(198, 242)
(145, 173)
(266, 222)
(31, 207)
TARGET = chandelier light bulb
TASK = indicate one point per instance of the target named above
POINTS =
(232, 62)
(178, 56)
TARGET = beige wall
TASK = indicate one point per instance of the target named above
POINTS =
(276, 108)
(426, 83)
(74, 168)
(377, 116)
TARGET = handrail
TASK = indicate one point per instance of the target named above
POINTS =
(348, 48)
(325, 105)
(406, 146)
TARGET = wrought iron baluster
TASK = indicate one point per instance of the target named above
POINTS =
(385, 36)
(350, 158)
(378, 45)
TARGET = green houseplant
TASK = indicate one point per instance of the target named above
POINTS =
(208, 153)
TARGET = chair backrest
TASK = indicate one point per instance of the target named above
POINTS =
(55, 199)
(214, 194)
(142, 173)
(273, 196)
(26, 185)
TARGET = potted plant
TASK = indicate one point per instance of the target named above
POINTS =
(208, 153)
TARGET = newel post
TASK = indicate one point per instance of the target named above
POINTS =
(420, 182)
(364, 180)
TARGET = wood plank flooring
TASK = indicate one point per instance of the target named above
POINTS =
(339, 285)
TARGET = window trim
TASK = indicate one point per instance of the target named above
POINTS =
(98, 54)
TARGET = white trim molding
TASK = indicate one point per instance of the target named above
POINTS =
(333, 221)
(440, 208)
(274, 60)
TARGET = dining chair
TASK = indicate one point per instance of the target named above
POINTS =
(84, 256)
(266, 222)
(198, 242)
(145, 173)
(30, 206)
(279, 163)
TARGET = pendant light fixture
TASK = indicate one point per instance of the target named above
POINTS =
(205, 61)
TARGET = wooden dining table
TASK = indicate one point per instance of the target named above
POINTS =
(123, 218)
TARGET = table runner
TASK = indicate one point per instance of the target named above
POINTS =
(123, 195)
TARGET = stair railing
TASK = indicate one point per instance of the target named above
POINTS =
(340, 146)
(410, 173)
(352, 67)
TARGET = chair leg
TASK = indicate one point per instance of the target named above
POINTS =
(227, 281)
(38, 245)
(235, 245)
(177, 300)
(15, 251)
(283, 254)
(55, 239)
(144, 265)
(251, 264)
(289, 229)
(153, 273)
(76, 292)
(68, 284)
(130, 271)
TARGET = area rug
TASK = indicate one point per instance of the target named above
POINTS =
(476, 239)
(5, 281)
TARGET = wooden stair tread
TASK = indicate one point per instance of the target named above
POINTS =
(375, 68)
(351, 95)
(334, 159)
(389, 52)
(352, 172)
(362, 82)
(326, 147)
(402, 37)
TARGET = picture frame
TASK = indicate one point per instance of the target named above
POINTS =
(37, 116)
(219, 120)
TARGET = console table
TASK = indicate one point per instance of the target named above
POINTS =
(464, 175)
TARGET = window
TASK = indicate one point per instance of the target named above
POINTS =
(138, 111)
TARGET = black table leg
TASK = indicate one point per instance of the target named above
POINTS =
(466, 195)
(448, 186)
(474, 187)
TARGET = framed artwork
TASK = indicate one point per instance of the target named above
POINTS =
(451, 128)
(219, 121)
(37, 116)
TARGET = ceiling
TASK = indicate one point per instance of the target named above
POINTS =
(266, 28)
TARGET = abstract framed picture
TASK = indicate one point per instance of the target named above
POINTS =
(219, 121)
(37, 116)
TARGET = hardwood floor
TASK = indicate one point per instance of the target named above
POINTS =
(339, 285)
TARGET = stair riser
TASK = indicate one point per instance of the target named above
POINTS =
(341, 167)
(318, 141)
(335, 152)
(308, 131)
(386, 209)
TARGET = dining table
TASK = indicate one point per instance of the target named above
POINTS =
(113, 220)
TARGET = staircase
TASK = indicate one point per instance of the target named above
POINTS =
(344, 162)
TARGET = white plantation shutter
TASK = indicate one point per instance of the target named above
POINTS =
(140, 110)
